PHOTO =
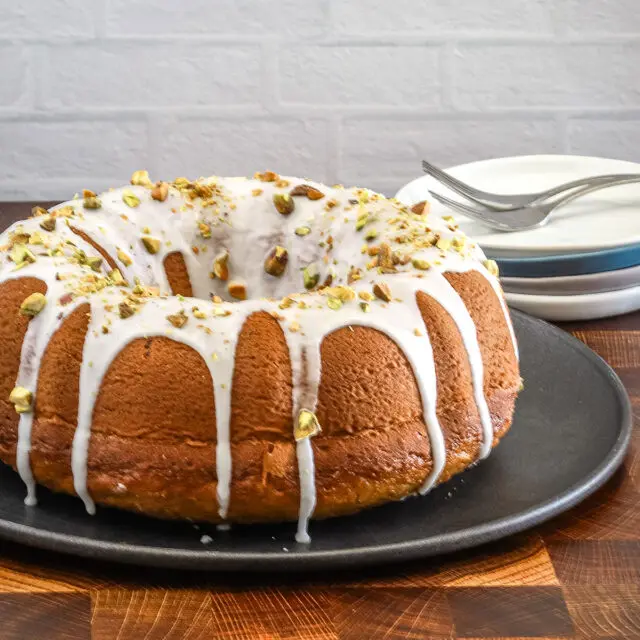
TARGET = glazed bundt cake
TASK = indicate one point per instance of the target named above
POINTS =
(248, 350)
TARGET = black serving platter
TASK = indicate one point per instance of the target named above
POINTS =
(571, 430)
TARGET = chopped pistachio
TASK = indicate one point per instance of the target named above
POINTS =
(307, 190)
(334, 303)
(197, 313)
(492, 267)
(178, 320)
(221, 312)
(419, 263)
(381, 290)
(80, 256)
(116, 277)
(385, 258)
(372, 234)
(65, 212)
(310, 276)
(361, 221)
(141, 179)
(48, 224)
(443, 244)
(354, 275)
(130, 199)
(238, 290)
(276, 262)
(459, 242)
(303, 231)
(344, 294)
(365, 306)
(94, 262)
(21, 255)
(205, 230)
(124, 258)
(90, 200)
(19, 237)
(365, 295)
(36, 238)
(39, 211)
(267, 176)
(126, 310)
(160, 191)
(152, 245)
(284, 203)
(32, 305)
(21, 399)
(221, 266)
(420, 208)
(307, 425)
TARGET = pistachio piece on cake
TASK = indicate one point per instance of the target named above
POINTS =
(276, 262)
(306, 426)
(382, 291)
(130, 199)
(178, 320)
(307, 190)
(90, 200)
(310, 276)
(141, 178)
(152, 245)
(238, 290)
(160, 191)
(221, 266)
(284, 203)
(32, 305)
(21, 399)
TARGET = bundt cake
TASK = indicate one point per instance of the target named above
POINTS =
(248, 350)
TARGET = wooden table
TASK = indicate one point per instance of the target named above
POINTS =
(577, 576)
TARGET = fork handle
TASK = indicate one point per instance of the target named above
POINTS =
(569, 197)
(598, 182)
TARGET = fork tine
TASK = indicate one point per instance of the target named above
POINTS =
(453, 183)
(471, 212)
(465, 190)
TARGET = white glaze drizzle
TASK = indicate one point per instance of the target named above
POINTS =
(248, 226)
(305, 370)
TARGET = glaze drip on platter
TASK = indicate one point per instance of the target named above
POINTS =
(316, 258)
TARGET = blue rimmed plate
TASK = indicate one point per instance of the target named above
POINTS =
(572, 264)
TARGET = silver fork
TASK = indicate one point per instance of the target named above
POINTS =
(526, 217)
(500, 202)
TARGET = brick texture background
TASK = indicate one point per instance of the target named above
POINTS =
(342, 90)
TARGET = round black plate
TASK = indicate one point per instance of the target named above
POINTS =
(571, 430)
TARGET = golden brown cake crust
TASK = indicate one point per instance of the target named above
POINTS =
(391, 369)
(153, 439)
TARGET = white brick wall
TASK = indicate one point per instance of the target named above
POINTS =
(343, 90)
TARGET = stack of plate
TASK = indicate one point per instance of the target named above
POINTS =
(585, 263)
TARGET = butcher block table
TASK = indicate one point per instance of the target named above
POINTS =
(577, 576)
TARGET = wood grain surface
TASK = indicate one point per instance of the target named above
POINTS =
(577, 576)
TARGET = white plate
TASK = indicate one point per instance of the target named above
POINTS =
(602, 220)
(574, 285)
(585, 307)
